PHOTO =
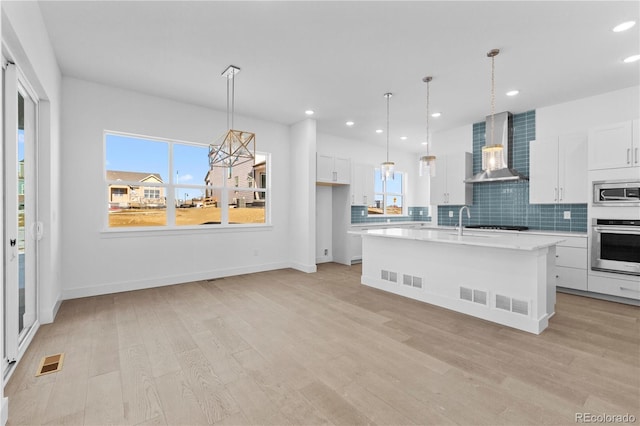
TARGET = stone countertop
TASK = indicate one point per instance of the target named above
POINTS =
(515, 241)
(429, 225)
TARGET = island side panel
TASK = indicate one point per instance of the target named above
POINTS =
(435, 272)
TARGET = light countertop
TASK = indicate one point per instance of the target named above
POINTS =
(515, 241)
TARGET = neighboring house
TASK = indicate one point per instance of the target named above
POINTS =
(240, 179)
(128, 195)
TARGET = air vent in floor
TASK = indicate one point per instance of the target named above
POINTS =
(50, 364)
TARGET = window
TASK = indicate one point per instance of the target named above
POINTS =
(389, 195)
(162, 183)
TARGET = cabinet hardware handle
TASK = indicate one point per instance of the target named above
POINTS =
(561, 194)
(557, 255)
(629, 289)
(628, 155)
(637, 156)
(557, 276)
(555, 194)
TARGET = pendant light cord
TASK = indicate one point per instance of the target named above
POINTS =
(428, 81)
(231, 91)
(493, 97)
(388, 95)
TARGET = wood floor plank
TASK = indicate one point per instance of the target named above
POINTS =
(104, 400)
(285, 347)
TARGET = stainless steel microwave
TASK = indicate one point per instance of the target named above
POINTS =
(616, 193)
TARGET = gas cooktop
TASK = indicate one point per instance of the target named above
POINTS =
(500, 227)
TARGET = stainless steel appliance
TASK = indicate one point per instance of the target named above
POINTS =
(615, 246)
(616, 193)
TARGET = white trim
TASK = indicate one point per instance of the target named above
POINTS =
(47, 317)
(4, 411)
(309, 269)
(118, 287)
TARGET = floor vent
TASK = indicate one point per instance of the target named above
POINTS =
(512, 305)
(50, 364)
(411, 281)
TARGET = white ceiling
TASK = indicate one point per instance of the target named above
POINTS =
(339, 58)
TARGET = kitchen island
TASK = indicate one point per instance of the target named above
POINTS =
(507, 279)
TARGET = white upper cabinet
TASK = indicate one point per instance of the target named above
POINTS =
(362, 188)
(614, 146)
(447, 186)
(558, 170)
(333, 170)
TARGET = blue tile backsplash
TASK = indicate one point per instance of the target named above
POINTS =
(416, 213)
(507, 203)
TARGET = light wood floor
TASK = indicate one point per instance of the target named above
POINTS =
(284, 347)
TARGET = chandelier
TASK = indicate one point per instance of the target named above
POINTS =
(235, 147)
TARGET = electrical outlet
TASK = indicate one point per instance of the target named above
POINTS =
(450, 213)
(388, 220)
(421, 213)
(567, 214)
(362, 213)
(326, 252)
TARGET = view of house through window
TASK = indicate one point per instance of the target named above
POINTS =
(389, 195)
(152, 182)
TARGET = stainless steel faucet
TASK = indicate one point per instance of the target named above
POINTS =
(460, 219)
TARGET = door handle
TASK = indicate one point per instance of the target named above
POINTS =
(12, 242)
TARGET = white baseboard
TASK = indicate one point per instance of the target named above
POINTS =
(48, 315)
(309, 269)
(4, 411)
(118, 287)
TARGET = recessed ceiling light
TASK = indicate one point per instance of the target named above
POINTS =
(379, 131)
(624, 26)
(349, 123)
(631, 59)
(424, 143)
(512, 92)
(436, 114)
(309, 112)
(404, 138)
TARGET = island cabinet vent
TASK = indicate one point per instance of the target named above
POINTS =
(389, 276)
(512, 305)
(412, 281)
(473, 295)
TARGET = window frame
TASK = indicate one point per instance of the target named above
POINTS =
(386, 194)
(170, 186)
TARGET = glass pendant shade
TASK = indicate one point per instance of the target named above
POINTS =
(493, 157)
(387, 170)
(428, 165)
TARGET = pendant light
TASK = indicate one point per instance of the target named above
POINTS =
(428, 162)
(386, 168)
(492, 153)
(235, 147)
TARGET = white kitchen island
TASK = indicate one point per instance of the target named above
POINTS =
(507, 279)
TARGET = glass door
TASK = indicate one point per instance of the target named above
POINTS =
(20, 228)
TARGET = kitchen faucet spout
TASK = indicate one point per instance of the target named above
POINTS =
(460, 219)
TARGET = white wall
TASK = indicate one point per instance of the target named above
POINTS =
(583, 114)
(302, 172)
(95, 262)
(26, 37)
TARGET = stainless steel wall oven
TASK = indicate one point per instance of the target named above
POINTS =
(615, 246)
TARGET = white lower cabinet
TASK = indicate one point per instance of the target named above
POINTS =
(571, 263)
(615, 287)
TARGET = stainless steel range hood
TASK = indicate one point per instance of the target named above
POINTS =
(503, 135)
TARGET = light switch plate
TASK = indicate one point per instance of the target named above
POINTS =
(567, 214)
